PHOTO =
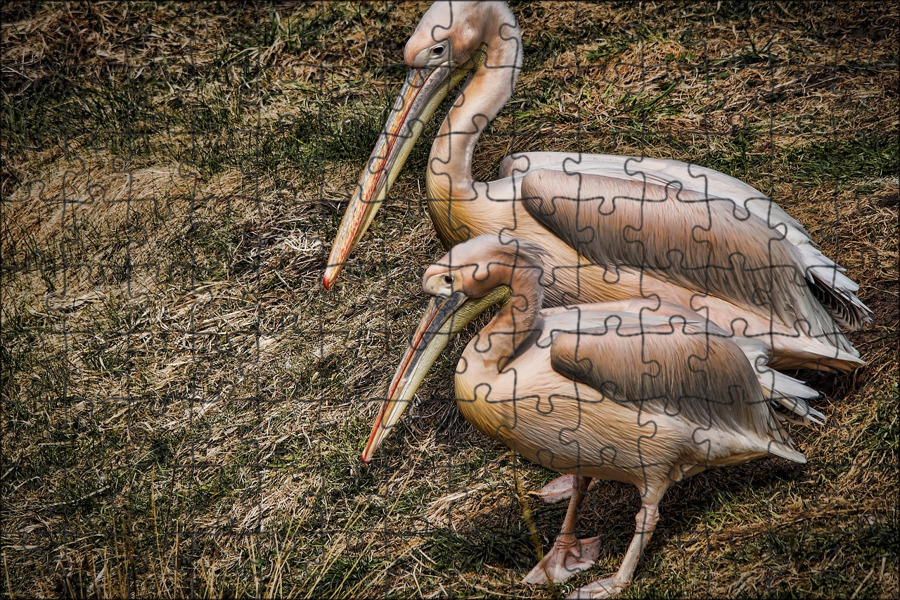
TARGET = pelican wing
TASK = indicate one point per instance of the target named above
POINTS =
(678, 370)
(706, 244)
(784, 391)
(709, 182)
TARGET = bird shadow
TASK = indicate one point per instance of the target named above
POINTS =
(505, 538)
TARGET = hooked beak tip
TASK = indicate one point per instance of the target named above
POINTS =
(330, 276)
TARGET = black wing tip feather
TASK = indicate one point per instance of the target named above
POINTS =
(845, 307)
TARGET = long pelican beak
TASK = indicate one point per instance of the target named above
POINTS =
(444, 317)
(422, 93)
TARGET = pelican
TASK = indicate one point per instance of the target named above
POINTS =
(614, 227)
(609, 391)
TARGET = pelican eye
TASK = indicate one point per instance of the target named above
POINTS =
(448, 279)
(437, 50)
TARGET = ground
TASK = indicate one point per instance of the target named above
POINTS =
(183, 406)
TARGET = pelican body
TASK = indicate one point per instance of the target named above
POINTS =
(613, 227)
(614, 391)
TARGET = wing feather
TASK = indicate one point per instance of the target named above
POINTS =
(677, 369)
(825, 278)
(709, 245)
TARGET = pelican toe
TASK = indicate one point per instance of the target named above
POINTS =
(564, 560)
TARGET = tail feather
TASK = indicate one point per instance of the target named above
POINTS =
(792, 394)
(834, 290)
(784, 450)
(780, 389)
(845, 307)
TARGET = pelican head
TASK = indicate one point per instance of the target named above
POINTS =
(447, 45)
(464, 283)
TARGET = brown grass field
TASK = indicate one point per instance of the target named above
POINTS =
(183, 406)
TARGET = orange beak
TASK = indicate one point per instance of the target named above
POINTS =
(422, 93)
(444, 318)
(431, 337)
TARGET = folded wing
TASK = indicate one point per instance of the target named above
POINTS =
(678, 370)
(703, 243)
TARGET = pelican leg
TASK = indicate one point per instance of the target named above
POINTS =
(559, 489)
(611, 586)
(569, 555)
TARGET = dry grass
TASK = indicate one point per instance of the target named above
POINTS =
(183, 407)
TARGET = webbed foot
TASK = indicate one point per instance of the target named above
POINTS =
(564, 560)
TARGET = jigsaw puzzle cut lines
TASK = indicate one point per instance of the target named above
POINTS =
(344, 299)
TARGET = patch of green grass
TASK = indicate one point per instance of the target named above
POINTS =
(645, 104)
(48, 110)
(120, 116)
(654, 584)
(840, 161)
(17, 340)
(29, 256)
(472, 548)
(300, 143)
(340, 464)
(345, 573)
(607, 46)
(72, 112)
(737, 156)
(208, 251)
(213, 143)
(540, 49)
(298, 32)
(883, 434)
(835, 559)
